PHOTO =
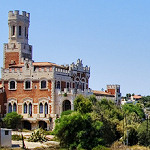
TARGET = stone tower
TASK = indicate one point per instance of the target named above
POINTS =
(17, 49)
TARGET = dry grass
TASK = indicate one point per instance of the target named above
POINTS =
(119, 146)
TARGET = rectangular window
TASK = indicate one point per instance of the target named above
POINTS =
(6, 132)
(25, 31)
(43, 84)
(27, 85)
(12, 85)
(13, 30)
(19, 30)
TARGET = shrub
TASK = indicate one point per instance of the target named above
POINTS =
(12, 120)
(78, 131)
(37, 136)
(68, 112)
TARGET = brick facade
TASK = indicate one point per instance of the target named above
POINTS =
(11, 58)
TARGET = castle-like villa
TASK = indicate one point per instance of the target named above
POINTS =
(39, 91)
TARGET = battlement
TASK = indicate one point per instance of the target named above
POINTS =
(79, 67)
(113, 86)
(64, 71)
(16, 15)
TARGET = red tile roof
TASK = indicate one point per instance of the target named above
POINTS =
(40, 64)
(137, 97)
(102, 93)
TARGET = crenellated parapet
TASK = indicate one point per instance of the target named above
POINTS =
(79, 67)
(16, 16)
(27, 70)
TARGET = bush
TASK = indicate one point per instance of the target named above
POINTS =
(12, 120)
(82, 104)
(144, 133)
(78, 131)
(68, 112)
(37, 136)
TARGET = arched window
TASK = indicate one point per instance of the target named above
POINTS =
(46, 108)
(66, 105)
(27, 84)
(25, 108)
(43, 84)
(12, 85)
(9, 108)
(41, 108)
(14, 107)
(58, 85)
(30, 109)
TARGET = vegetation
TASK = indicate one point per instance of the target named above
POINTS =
(92, 124)
(130, 108)
(145, 101)
(17, 137)
(98, 124)
(37, 136)
(83, 104)
(12, 120)
(144, 133)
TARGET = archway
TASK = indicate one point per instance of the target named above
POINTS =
(26, 124)
(66, 105)
(43, 125)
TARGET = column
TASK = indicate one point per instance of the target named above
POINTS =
(53, 97)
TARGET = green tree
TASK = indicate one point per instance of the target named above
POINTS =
(107, 112)
(144, 133)
(128, 95)
(67, 112)
(93, 99)
(129, 108)
(145, 101)
(82, 104)
(133, 116)
(12, 120)
(78, 130)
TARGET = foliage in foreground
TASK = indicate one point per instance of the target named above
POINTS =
(37, 136)
(78, 131)
(92, 124)
(130, 108)
(12, 120)
(144, 133)
(95, 124)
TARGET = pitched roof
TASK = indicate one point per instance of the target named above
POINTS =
(137, 96)
(44, 64)
(102, 93)
(39, 64)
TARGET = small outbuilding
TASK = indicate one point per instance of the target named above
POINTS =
(5, 137)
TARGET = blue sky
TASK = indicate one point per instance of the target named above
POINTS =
(112, 37)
